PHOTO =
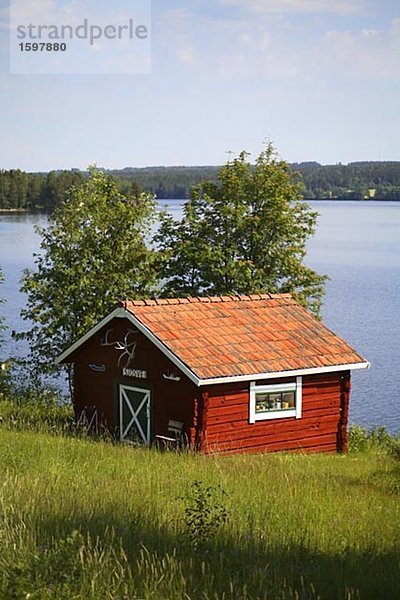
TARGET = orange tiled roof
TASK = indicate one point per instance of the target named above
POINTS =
(227, 336)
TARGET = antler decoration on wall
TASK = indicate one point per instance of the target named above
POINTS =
(126, 346)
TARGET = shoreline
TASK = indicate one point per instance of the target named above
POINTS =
(25, 211)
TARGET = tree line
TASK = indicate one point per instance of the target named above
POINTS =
(355, 181)
(35, 191)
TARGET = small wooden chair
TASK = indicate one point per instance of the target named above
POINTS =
(175, 428)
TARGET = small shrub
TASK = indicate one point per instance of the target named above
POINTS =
(376, 438)
(395, 449)
(358, 438)
(204, 513)
(379, 437)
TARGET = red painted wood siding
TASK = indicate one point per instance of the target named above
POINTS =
(170, 399)
(322, 426)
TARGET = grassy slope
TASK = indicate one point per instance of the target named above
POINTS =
(82, 519)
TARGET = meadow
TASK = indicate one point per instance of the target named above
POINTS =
(84, 518)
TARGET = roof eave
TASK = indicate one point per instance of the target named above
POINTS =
(278, 374)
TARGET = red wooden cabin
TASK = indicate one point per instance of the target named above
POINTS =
(238, 373)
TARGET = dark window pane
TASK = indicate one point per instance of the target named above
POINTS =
(288, 400)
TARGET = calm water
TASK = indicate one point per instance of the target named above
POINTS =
(357, 245)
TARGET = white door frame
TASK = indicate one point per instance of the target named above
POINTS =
(144, 405)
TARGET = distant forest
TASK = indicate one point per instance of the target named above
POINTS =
(355, 181)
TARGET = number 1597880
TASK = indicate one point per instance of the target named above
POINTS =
(42, 47)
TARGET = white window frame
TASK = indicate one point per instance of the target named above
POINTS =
(271, 388)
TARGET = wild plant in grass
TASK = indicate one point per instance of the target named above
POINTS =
(204, 513)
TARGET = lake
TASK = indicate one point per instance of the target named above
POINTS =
(357, 244)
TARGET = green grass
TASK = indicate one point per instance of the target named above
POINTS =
(88, 519)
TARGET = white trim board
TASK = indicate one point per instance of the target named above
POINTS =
(294, 373)
(124, 313)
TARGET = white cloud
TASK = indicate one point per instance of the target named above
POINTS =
(369, 53)
(281, 47)
(186, 55)
(265, 41)
(245, 38)
(339, 7)
(174, 30)
(97, 47)
(70, 12)
(29, 11)
(395, 28)
(369, 32)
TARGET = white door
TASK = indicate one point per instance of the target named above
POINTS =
(134, 414)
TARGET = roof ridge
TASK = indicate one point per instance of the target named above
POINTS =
(205, 299)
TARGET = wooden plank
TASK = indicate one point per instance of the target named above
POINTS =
(276, 437)
(321, 412)
(235, 399)
(296, 433)
(241, 410)
(331, 402)
(315, 443)
(278, 445)
(311, 392)
(325, 448)
(322, 377)
(321, 397)
(272, 427)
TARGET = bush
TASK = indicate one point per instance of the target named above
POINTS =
(376, 438)
(204, 513)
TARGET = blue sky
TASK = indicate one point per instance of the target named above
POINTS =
(321, 78)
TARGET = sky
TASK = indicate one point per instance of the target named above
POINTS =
(319, 78)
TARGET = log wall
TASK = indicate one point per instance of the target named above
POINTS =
(321, 428)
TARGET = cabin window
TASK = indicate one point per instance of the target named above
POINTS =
(275, 401)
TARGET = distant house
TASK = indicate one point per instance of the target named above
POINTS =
(232, 373)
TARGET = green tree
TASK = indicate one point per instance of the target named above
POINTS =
(93, 253)
(245, 234)
(56, 186)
